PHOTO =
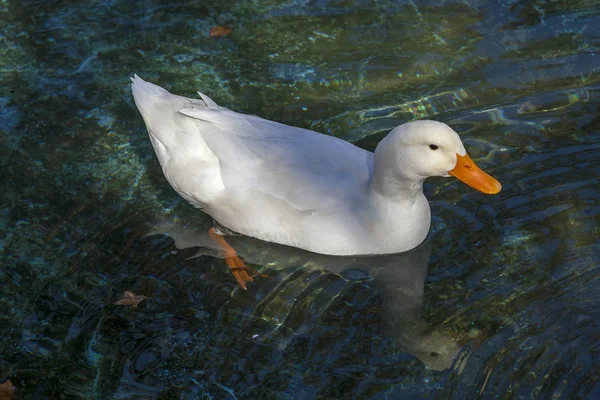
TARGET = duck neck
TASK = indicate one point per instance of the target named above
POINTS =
(390, 183)
(394, 188)
(397, 211)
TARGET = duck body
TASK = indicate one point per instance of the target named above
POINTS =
(289, 185)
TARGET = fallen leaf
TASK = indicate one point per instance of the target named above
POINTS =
(219, 31)
(130, 299)
(7, 391)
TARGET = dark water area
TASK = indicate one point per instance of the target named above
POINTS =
(502, 302)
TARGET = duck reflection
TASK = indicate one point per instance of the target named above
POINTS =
(398, 277)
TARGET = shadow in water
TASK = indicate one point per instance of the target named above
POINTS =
(399, 278)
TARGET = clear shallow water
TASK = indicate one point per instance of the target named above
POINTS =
(513, 280)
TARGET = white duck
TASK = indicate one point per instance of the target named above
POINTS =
(298, 187)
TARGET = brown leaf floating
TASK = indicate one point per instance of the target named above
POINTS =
(130, 299)
(219, 31)
(7, 391)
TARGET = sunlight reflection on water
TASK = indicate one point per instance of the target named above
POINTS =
(507, 304)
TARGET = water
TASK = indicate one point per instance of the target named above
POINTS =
(505, 305)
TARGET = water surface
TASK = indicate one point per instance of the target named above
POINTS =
(502, 303)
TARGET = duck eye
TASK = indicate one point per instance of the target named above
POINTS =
(433, 146)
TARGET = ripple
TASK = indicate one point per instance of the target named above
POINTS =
(507, 305)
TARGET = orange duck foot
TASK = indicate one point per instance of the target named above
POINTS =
(238, 268)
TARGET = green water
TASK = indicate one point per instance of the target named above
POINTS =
(502, 303)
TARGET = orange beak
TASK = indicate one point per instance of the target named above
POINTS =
(472, 175)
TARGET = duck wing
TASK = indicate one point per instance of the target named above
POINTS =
(308, 170)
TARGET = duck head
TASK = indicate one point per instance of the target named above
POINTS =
(421, 149)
